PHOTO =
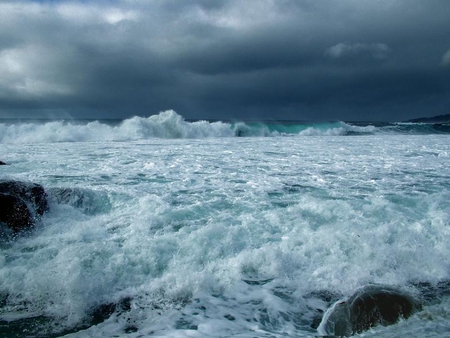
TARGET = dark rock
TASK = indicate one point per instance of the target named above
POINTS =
(21, 204)
(368, 307)
(14, 213)
(2, 163)
(32, 194)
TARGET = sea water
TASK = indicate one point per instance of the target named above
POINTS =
(206, 234)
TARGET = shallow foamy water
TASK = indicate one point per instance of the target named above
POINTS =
(229, 236)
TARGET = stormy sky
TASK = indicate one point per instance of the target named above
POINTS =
(226, 59)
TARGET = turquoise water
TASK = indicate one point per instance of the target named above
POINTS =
(210, 235)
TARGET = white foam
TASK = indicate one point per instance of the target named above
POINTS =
(167, 124)
(227, 236)
(336, 129)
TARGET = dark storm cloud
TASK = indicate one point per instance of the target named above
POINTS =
(351, 60)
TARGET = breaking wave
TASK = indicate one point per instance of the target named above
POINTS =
(170, 125)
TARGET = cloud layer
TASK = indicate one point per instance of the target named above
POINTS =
(348, 60)
(375, 50)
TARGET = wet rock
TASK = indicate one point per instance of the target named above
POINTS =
(318, 302)
(14, 213)
(72, 196)
(88, 201)
(21, 204)
(2, 163)
(368, 307)
(32, 194)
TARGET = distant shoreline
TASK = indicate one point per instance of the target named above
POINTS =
(435, 119)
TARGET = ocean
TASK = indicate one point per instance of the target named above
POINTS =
(162, 227)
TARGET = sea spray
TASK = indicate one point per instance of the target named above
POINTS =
(227, 236)
(170, 125)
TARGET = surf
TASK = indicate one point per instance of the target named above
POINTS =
(166, 125)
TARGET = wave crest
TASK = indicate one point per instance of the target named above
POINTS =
(167, 124)
(170, 125)
(337, 129)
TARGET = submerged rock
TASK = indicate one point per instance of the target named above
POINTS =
(21, 204)
(47, 327)
(88, 201)
(368, 307)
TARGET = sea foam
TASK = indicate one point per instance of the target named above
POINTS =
(226, 236)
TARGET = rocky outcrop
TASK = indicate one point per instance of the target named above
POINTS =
(2, 163)
(14, 212)
(368, 307)
(21, 204)
(31, 193)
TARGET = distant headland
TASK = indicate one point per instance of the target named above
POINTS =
(435, 119)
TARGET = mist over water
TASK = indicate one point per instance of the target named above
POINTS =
(213, 235)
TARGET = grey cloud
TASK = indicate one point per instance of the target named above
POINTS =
(354, 59)
(376, 50)
(446, 58)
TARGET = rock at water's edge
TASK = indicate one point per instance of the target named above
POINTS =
(14, 213)
(370, 306)
(32, 194)
(88, 201)
(21, 204)
(2, 163)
